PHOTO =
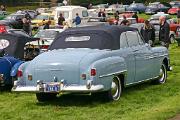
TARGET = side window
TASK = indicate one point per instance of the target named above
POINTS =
(123, 40)
(132, 38)
(84, 13)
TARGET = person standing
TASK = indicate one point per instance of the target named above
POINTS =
(148, 33)
(116, 16)
(135, 16)
(61, 19)
(101, 14)
(124, 22)
(178, 15)
(47, 25)
(77, 20)
(164, 32)
(26, 25)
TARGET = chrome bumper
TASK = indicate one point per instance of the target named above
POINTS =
(78, 88)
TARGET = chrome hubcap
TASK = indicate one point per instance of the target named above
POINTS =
(115, 88)
(161, 75)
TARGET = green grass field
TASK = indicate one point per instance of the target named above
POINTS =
(140, 102)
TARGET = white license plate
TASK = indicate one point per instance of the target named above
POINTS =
(53, 87)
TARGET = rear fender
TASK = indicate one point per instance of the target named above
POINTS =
(108, 68)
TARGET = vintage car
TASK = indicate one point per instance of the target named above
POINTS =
(137, 7)
(93, 59)
(42, 19)
(46, 37)
(174, 9)
(3, 14)
(155, 7)
(13, 20)
(12, 54)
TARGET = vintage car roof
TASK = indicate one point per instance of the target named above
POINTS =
(15, 44)
(100, 37)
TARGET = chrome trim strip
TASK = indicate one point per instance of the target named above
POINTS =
(151, 57)
(106, 75)
(142, 81)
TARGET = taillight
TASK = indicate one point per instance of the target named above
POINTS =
(2, 29)
(93, 72)
(19, 73)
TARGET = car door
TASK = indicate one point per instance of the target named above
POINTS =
(127, 53)
(142, 52)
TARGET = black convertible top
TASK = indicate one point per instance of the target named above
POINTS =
(15, 44)
(94, 37)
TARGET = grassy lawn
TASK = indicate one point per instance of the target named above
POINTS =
(141, 102)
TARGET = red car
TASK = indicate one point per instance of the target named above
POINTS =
(173, 10)
(173, 25)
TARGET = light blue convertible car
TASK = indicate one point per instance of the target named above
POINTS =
(93, 59)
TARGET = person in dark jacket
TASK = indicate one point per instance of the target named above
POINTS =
(135, 16)
(178, 15)
(124, 22)
(102, 15)
(164, 32)
(26, 25)
(61, 19)
(46, 26)
(77, 20)
(148, 33)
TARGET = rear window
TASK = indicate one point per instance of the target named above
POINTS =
(76, 39)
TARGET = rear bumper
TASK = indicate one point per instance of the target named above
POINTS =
(74, 88)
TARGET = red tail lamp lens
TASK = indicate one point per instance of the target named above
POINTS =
(19, 74)
(93, 72)
(2, 29)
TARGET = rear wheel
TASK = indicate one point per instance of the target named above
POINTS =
(42, 97)
(116, 88)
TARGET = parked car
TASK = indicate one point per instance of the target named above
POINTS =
(116, 7)
(174, 3)
(14, 20)
(3, 14)
(159, 14)
(12, 54)
(155, 7)
(93, 59)
(32, 13)
(46, 37)
(137, 7)
(174, 9)
(42, 19)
